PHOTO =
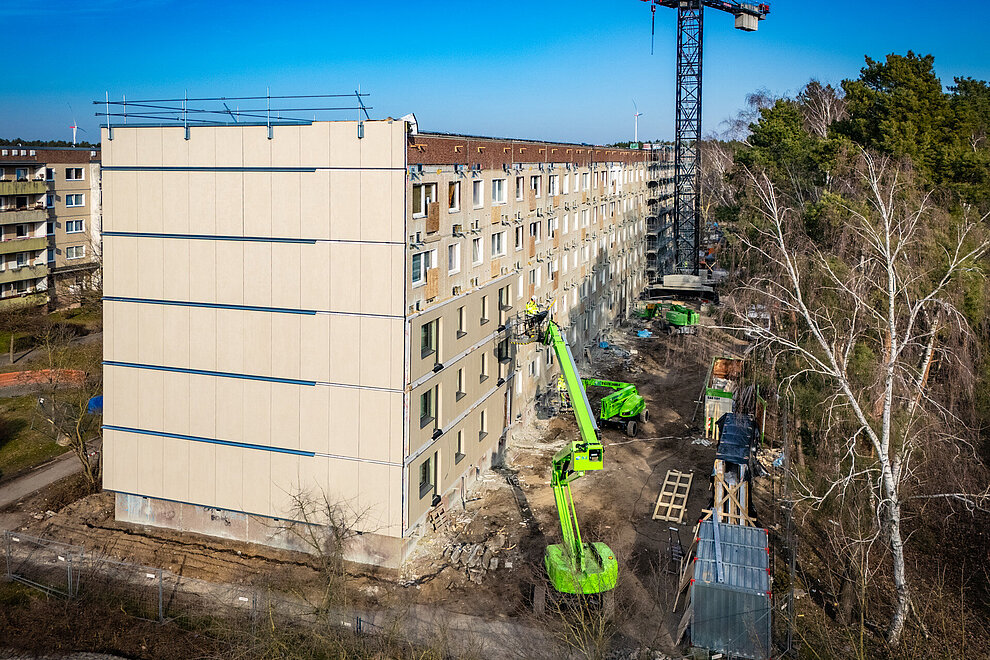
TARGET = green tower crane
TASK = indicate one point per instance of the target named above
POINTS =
(573, 566)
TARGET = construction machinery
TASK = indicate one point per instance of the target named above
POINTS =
(624, 407)
(573, 566)
(678, 319)
(675, 318)
(687, 119)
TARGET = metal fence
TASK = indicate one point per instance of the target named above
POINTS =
(47, 565)
(143, 592)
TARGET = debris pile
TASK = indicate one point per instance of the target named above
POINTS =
(476, 559)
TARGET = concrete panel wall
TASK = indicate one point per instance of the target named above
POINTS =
(254, 332)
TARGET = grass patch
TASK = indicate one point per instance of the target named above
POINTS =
(21, 446)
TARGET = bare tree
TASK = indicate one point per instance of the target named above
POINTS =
(74, 376)
(822, 105)
(888, 290)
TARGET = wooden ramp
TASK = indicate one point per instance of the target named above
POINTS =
(672, 502)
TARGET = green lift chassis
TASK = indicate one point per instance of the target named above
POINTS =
(575, 567)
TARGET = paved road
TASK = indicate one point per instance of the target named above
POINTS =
(41, 477)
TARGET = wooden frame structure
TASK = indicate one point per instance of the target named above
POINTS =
(672, 501)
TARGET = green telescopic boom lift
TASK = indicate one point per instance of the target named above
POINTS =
(575, 567)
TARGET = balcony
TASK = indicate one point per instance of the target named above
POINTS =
(28, 244)
(23, 215)
(22, 187)
(23, 273)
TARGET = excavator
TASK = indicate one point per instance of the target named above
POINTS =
(573, 566)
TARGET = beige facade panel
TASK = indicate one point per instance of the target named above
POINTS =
(340, 421)
(353, 278)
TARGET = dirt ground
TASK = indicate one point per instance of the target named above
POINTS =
(515, 503)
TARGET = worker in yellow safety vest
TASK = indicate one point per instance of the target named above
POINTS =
(532, 309)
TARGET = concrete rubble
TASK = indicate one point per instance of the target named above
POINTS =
(477, 559)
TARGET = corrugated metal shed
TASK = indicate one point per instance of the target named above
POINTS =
(736, 434)
(730, 593)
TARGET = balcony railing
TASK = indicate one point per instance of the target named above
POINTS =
(29, 272)
(23, 244)
(23, 187)
(27, 214)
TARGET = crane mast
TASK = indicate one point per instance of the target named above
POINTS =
(687, 117)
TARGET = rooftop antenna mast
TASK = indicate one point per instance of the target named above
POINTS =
(687, 114)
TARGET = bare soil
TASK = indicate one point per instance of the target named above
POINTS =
(614, 506)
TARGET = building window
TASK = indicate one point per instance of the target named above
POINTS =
(553, 185)
(585, 180)
(428, 338)
(498, 244)
(536, 184)
(460, 394)
(421, 262)
(519, 288)
(427, 408)
(454, 196)
(478, 193)
(483, 431)
(75, 200)
(552, 224)
(49, 201)
(21, 231)
(51, 255)
(533, 372)
(453, 258)
(484, 367)
(534, 230)
(426, 477)
(498, 191)
(520, 188)
(424, 194)
(461, 323)
(49, 174)
(73, 174)
(21, 174)
(567, 188)
(22, 259)
(502, 351)
(520, 235)
(484, 310)
(566, 221)
(73, 226)
(476, 256)
(459, 454)
(75, 252)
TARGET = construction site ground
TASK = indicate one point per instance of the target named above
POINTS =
(511, 510)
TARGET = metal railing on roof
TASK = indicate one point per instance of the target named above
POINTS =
(217, 110)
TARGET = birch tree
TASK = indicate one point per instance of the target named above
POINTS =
(886, 290)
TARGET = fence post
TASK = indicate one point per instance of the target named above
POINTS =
(68, 575)
(6, 536)
(161, 610)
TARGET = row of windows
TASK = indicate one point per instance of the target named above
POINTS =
(425, 194)
(22, 173)
(429, 469)
(498, 247)
(29, 258)
(430, 330)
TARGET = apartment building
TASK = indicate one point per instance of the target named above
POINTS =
(325, 306)
(50, 222)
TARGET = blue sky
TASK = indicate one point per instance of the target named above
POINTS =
(545, 70)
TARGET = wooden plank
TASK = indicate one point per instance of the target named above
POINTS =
(672, 500)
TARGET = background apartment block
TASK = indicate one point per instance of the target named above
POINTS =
(324, 306)
(50, 217)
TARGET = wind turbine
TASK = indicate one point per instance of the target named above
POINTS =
(74, 126)
(636, 118)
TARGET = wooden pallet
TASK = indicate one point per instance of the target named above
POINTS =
(438, 518)
(672, 501)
